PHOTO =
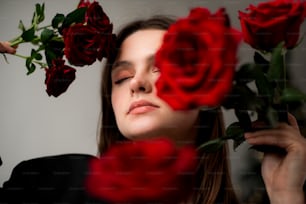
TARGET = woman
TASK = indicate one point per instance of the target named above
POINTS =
(131, 110)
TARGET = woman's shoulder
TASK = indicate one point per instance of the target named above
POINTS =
(49, 179)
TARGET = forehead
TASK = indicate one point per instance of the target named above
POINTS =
(141, 43)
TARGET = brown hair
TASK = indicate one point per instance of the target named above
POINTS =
(214, 185)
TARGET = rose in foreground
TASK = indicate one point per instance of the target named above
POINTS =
(58, 77)
(270, 23)
(197, 60)
(152, 171)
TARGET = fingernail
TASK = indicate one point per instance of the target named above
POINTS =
(247, 135)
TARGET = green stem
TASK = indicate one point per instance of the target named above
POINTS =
(21, 56)
(284, 72)
(16, 41)
(34, 61)
(41, 28)
(282, 113)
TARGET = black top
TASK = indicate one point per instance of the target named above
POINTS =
(52, 179)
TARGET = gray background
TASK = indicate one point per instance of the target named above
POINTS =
(33, 124)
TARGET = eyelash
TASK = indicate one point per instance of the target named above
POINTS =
(155, 69)
(119, 81)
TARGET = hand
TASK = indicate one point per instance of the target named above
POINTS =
(5, 47)
(284, 172)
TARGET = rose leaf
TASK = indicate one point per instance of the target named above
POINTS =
(75, 16)
(276, 67)
(292, 95)
(212, 145)
(57, 20)
(46, 35)
(28, 35)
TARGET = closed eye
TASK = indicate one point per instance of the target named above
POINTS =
(119, 81)
(155, 69)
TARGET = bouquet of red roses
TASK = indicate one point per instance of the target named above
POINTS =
(82, 37)
(202, 72)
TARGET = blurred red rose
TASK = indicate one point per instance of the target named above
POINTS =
(58, 77)
(143, 172)
(82, 44)
(270, 23)
(197, 60)
(96, 17)
(84, 3)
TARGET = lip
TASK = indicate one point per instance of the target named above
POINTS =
(141, 106)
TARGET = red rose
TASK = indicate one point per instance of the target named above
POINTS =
(197, 60)
(107, 46)
(84, 3)
(143, 172)
(96, 17)
(270, 23)
(82, 44)
(86, 42)
(58, 77)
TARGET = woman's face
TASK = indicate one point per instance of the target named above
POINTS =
(139, 112)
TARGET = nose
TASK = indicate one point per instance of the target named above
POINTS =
(141, 83)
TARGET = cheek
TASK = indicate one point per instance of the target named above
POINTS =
(115, 101)
(154, 79)
(119, 99)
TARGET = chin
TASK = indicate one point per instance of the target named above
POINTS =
(142, 136)
(147, 133)
(146, 127)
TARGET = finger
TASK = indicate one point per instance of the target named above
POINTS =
(2, 47)
(292, 121)
(5, 47)
(15, 46)
(275, 137)
(9, 49)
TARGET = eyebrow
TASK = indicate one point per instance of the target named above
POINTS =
(124, 63)
(151, 59)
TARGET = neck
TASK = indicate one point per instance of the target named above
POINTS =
(186, 137)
